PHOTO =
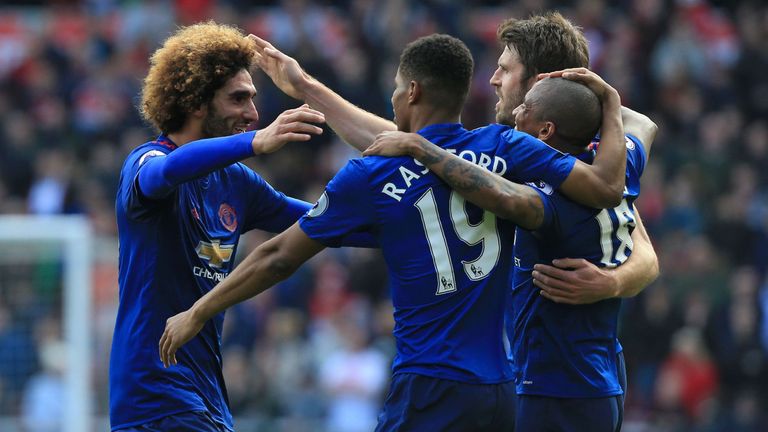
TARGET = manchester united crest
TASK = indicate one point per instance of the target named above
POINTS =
(228, 217)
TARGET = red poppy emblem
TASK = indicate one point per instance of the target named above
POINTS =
(228, 217)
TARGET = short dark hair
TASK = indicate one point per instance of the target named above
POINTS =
(545, 43)
(442, 65)
(188, 69)
(575, 110)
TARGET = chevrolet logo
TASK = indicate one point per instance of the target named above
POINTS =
(214, 252)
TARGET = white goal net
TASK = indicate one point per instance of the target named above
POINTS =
(45, 330)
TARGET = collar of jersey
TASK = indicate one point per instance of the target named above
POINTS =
(440, 129)
(163, 140)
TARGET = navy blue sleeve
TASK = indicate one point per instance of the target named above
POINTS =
(636, 157)
(294, 209)
(286, 216)
(545, 193)
(530, 159)
(362, 239)
(269, 209)
(160, 174)
(344, 209)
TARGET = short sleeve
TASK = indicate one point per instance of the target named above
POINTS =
(548, 203)
(345, 207)
(636, 156)
(531, 159)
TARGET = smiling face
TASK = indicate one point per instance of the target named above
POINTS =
(510, 85)
(526, 117)
(231, 110)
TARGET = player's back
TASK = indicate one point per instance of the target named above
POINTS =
(565, 350)
(448, 260)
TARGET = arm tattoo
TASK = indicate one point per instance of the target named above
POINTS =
(432, 154)
(465, 177)
(501, 197)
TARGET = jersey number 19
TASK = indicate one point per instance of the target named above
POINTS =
(484, 234)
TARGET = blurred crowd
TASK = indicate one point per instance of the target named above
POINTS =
(314, 352)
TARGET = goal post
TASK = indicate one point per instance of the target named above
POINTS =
(73, 235)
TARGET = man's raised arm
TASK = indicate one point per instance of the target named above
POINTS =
(353, 124)
(270, 263)
(641, 127)
(598, 186)
(508, 200)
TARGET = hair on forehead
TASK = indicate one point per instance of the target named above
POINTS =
(545, 43)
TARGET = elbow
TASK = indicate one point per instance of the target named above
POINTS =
(280, 266)
(617, 195)
(526, 218)
(653, 129)
(529, 224)
(524, 209)
(610, 196)
(654, 271)
(276, 264)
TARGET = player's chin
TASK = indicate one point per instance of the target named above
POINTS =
(503, 118)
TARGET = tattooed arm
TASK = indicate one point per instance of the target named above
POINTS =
(519, 203)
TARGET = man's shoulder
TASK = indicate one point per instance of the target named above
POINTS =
(147, 150)
(373, 165)
(494, 129)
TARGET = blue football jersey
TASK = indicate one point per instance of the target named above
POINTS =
(172, 252)
(564, 350)
(448, 260)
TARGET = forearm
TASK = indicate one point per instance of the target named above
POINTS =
(481, 187)
(639, 126)
(611, 160)
(287, 216)
(641, 268)
(161, 175)
(260, 270)
(353, 124)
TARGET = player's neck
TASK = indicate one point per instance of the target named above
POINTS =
(566, 147)
(190, 132)
(423, 119)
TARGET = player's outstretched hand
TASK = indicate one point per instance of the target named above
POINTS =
(574, 281)
(292, 125)
(585, 76)
(179, 329)
(395, 143)
(283, 70)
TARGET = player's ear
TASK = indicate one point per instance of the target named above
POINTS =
(414, 92)
(199, 112)
(547, 130)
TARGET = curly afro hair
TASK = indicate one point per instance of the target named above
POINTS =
(187, 70)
